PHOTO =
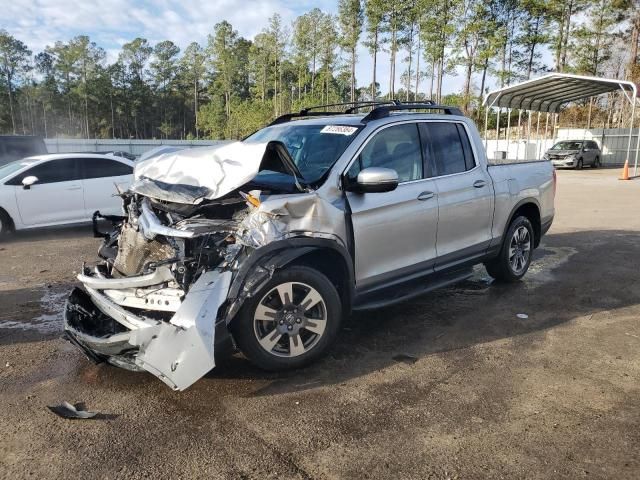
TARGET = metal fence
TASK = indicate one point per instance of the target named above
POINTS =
(613, 142)
(135, 147)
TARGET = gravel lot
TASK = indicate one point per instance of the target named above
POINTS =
(489, 395)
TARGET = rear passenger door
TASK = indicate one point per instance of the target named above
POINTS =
(465, 193)
(394, 232)
(101, 178)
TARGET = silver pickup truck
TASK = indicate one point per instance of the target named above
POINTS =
(266, 244)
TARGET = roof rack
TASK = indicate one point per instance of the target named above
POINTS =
(384, 110)
(381, 109)
(354, 106)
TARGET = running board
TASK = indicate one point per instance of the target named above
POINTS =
(400, 293)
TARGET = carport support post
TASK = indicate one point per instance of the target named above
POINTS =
(497, 133)
(538, 137)
(518, 140)
(508, 130)
(633, 114)
(546, 129)
(635, 165)
(486, 128)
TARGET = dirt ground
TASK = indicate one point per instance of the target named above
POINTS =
(489, 394)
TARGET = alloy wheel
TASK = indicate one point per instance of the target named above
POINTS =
(519, 250)
(290, 319)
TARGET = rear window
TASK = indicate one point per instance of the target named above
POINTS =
(447, 147)
(102, 167)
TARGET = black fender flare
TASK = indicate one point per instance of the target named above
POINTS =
(258, 266)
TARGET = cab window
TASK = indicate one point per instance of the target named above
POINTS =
(396, 147)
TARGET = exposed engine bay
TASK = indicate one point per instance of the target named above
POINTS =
(159, 297)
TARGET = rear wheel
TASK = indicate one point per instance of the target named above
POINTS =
(291, 321)
(515, 255)
(596, 163)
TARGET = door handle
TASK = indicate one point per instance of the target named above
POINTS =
(479, 183)
(74, 188)
(425, 196)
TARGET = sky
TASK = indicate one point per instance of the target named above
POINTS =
(112, 23)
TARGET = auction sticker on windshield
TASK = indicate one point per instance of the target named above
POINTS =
(339, 129)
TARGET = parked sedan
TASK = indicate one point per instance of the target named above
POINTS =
(574, 154)
(60, 189)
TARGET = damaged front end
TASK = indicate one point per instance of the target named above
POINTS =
(179, 264)
(156, 300)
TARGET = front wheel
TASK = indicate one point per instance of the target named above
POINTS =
(5, 224)
(515, 255)
(579, 165)
(291, 321)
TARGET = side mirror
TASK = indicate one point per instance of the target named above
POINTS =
(375, 180)
(28, 181)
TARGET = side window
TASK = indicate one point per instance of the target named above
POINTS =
(449, 148)
(396, 147)
(592, 145)
(103, 167)
(53, 171)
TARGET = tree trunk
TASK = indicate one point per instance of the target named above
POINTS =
(375, 59)
(13, 119)
(353, 74)
(415, 95)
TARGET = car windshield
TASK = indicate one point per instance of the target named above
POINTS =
(569, 145)
(12, 167)
(313, 148)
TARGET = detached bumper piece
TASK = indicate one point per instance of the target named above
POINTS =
(179, 351)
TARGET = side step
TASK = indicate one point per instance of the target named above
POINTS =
(399, 293)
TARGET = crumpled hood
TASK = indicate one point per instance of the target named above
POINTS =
(197, 174)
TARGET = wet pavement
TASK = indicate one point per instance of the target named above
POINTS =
(479, 380)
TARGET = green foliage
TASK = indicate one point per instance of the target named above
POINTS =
(233, 85)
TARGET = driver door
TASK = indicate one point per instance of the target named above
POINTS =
(56, 198)
(394, 232)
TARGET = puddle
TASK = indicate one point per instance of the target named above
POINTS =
(545, 260)
(50, 318)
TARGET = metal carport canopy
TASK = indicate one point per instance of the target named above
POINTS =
(551, 92)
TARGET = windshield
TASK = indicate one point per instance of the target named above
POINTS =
(12, 167)
(569, 145)
(313, 148)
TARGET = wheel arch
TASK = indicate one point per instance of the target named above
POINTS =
(327, 256)
(11, 223)
(529, 208)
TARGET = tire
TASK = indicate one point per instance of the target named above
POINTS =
(502, 268)
(296, 336)
(596, 163)
(6, 225)
(579, 165)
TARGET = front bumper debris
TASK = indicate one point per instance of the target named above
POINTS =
(178, 351)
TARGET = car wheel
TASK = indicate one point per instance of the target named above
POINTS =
(596, 163)
(515, 255)
(579, 165)
(5, 223)
(291, 321)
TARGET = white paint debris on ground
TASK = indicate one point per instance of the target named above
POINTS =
(50, 318)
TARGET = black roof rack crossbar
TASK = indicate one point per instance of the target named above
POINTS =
(353, 107)
(384, 110)
(381, 109)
